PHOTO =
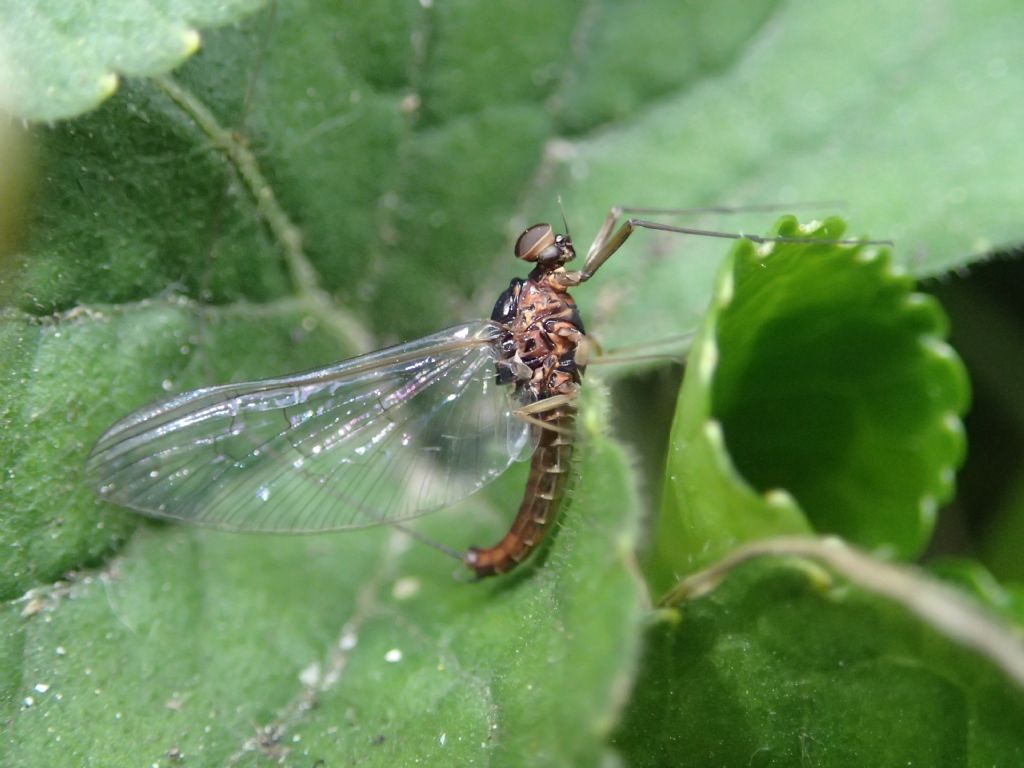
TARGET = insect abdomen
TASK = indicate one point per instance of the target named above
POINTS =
(545, 488)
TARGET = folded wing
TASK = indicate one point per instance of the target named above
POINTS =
(379, 438)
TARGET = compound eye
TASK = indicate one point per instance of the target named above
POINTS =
(534, 242)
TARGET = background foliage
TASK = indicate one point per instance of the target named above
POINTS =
(315, 182)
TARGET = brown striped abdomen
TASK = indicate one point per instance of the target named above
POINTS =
(545, 488)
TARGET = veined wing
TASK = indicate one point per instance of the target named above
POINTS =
(378, 438)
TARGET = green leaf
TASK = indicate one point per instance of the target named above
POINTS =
(53, 522)
(129, 218)
(59, 59)
(368, 648)
(786, 663)
(322, 179)
(821, 395)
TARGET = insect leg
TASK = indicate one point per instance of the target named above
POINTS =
(526, 413)
(670, 349)
(612, 243)
(604, 232)
(616, 212)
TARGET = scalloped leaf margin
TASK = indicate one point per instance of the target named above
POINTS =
(821, 396)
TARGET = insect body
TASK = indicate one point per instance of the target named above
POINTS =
(541, 344)
(387, 436)
(377, 439)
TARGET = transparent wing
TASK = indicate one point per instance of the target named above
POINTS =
(378, 438)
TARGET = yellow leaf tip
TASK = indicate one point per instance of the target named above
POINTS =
(108, 83)
(191, 41)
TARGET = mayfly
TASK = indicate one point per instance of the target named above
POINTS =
(390, 435)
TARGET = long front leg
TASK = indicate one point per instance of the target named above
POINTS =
(604, 232)
(615, 213)
(612, 243)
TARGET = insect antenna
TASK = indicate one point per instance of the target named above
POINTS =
(565, 222)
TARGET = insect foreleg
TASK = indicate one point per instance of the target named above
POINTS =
(528, 412)
(607, 243)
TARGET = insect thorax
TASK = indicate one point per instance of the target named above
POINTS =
(543, 330)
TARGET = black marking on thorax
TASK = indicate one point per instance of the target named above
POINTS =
(531, 313)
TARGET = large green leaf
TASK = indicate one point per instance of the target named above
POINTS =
(787, 662)
(376, 164)
(61, 58)
(357, 644)
(821, 395)
(319, 180)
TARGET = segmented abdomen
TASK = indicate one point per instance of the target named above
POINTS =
(545, 488)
